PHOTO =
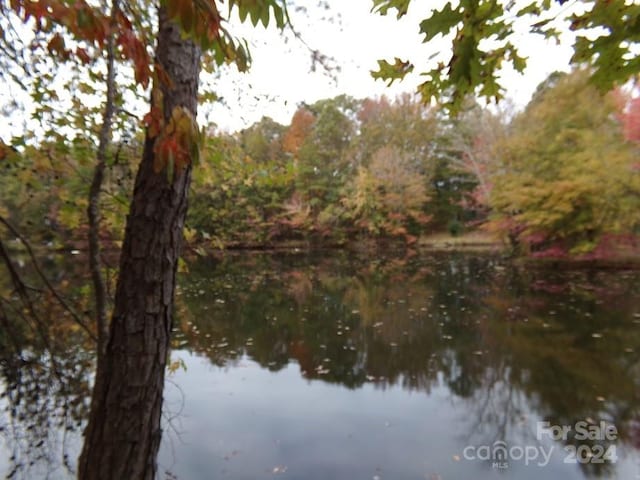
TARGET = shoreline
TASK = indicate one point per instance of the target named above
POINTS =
(473, 242)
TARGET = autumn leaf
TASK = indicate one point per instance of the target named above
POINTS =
(178, 144)
(133, 49)
(392, 71)
(56, 46)
(83, 55)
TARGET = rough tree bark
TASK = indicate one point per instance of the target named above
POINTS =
(123, 434)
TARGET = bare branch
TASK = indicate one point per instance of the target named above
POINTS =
(44, 278)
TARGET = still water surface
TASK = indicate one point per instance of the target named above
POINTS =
(340, 366)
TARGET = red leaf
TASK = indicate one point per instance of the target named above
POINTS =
(83, 55)
(134, 50)
(56, 46)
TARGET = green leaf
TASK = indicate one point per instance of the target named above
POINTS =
(392, 71)
(519, 63)
(532, 9)
(243, 12)
(382, 7)
(255, 14)
(264, 18)
(441, 22)
(279, 14)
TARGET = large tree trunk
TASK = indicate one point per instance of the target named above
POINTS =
(123, 434)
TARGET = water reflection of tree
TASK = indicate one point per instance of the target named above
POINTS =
(45, 365)
(328, 323)
(507, 340)
(45, 403)
(571, 348)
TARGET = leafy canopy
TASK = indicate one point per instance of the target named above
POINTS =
(86, 24)
(482, 33)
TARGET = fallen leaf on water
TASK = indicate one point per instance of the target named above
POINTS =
(279, 469)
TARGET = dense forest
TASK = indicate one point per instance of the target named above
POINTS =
(561, 177)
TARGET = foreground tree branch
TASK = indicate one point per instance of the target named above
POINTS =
(22, 287)
(93, 210)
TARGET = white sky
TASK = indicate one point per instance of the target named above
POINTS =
(280, 76)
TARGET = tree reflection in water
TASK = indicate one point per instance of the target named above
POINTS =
(46, 361)
(506, 342)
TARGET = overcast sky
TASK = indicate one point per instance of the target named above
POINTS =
(280, 77)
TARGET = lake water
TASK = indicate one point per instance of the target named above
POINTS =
(351, 366)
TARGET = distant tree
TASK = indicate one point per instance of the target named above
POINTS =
(404, 123)
(631, 120)
(389, 195)
(451, 187)
(471, 141)
(323, 163)
(567, 175)
(466, 158)
(237, 200)
(263, 141)
(297, 132)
